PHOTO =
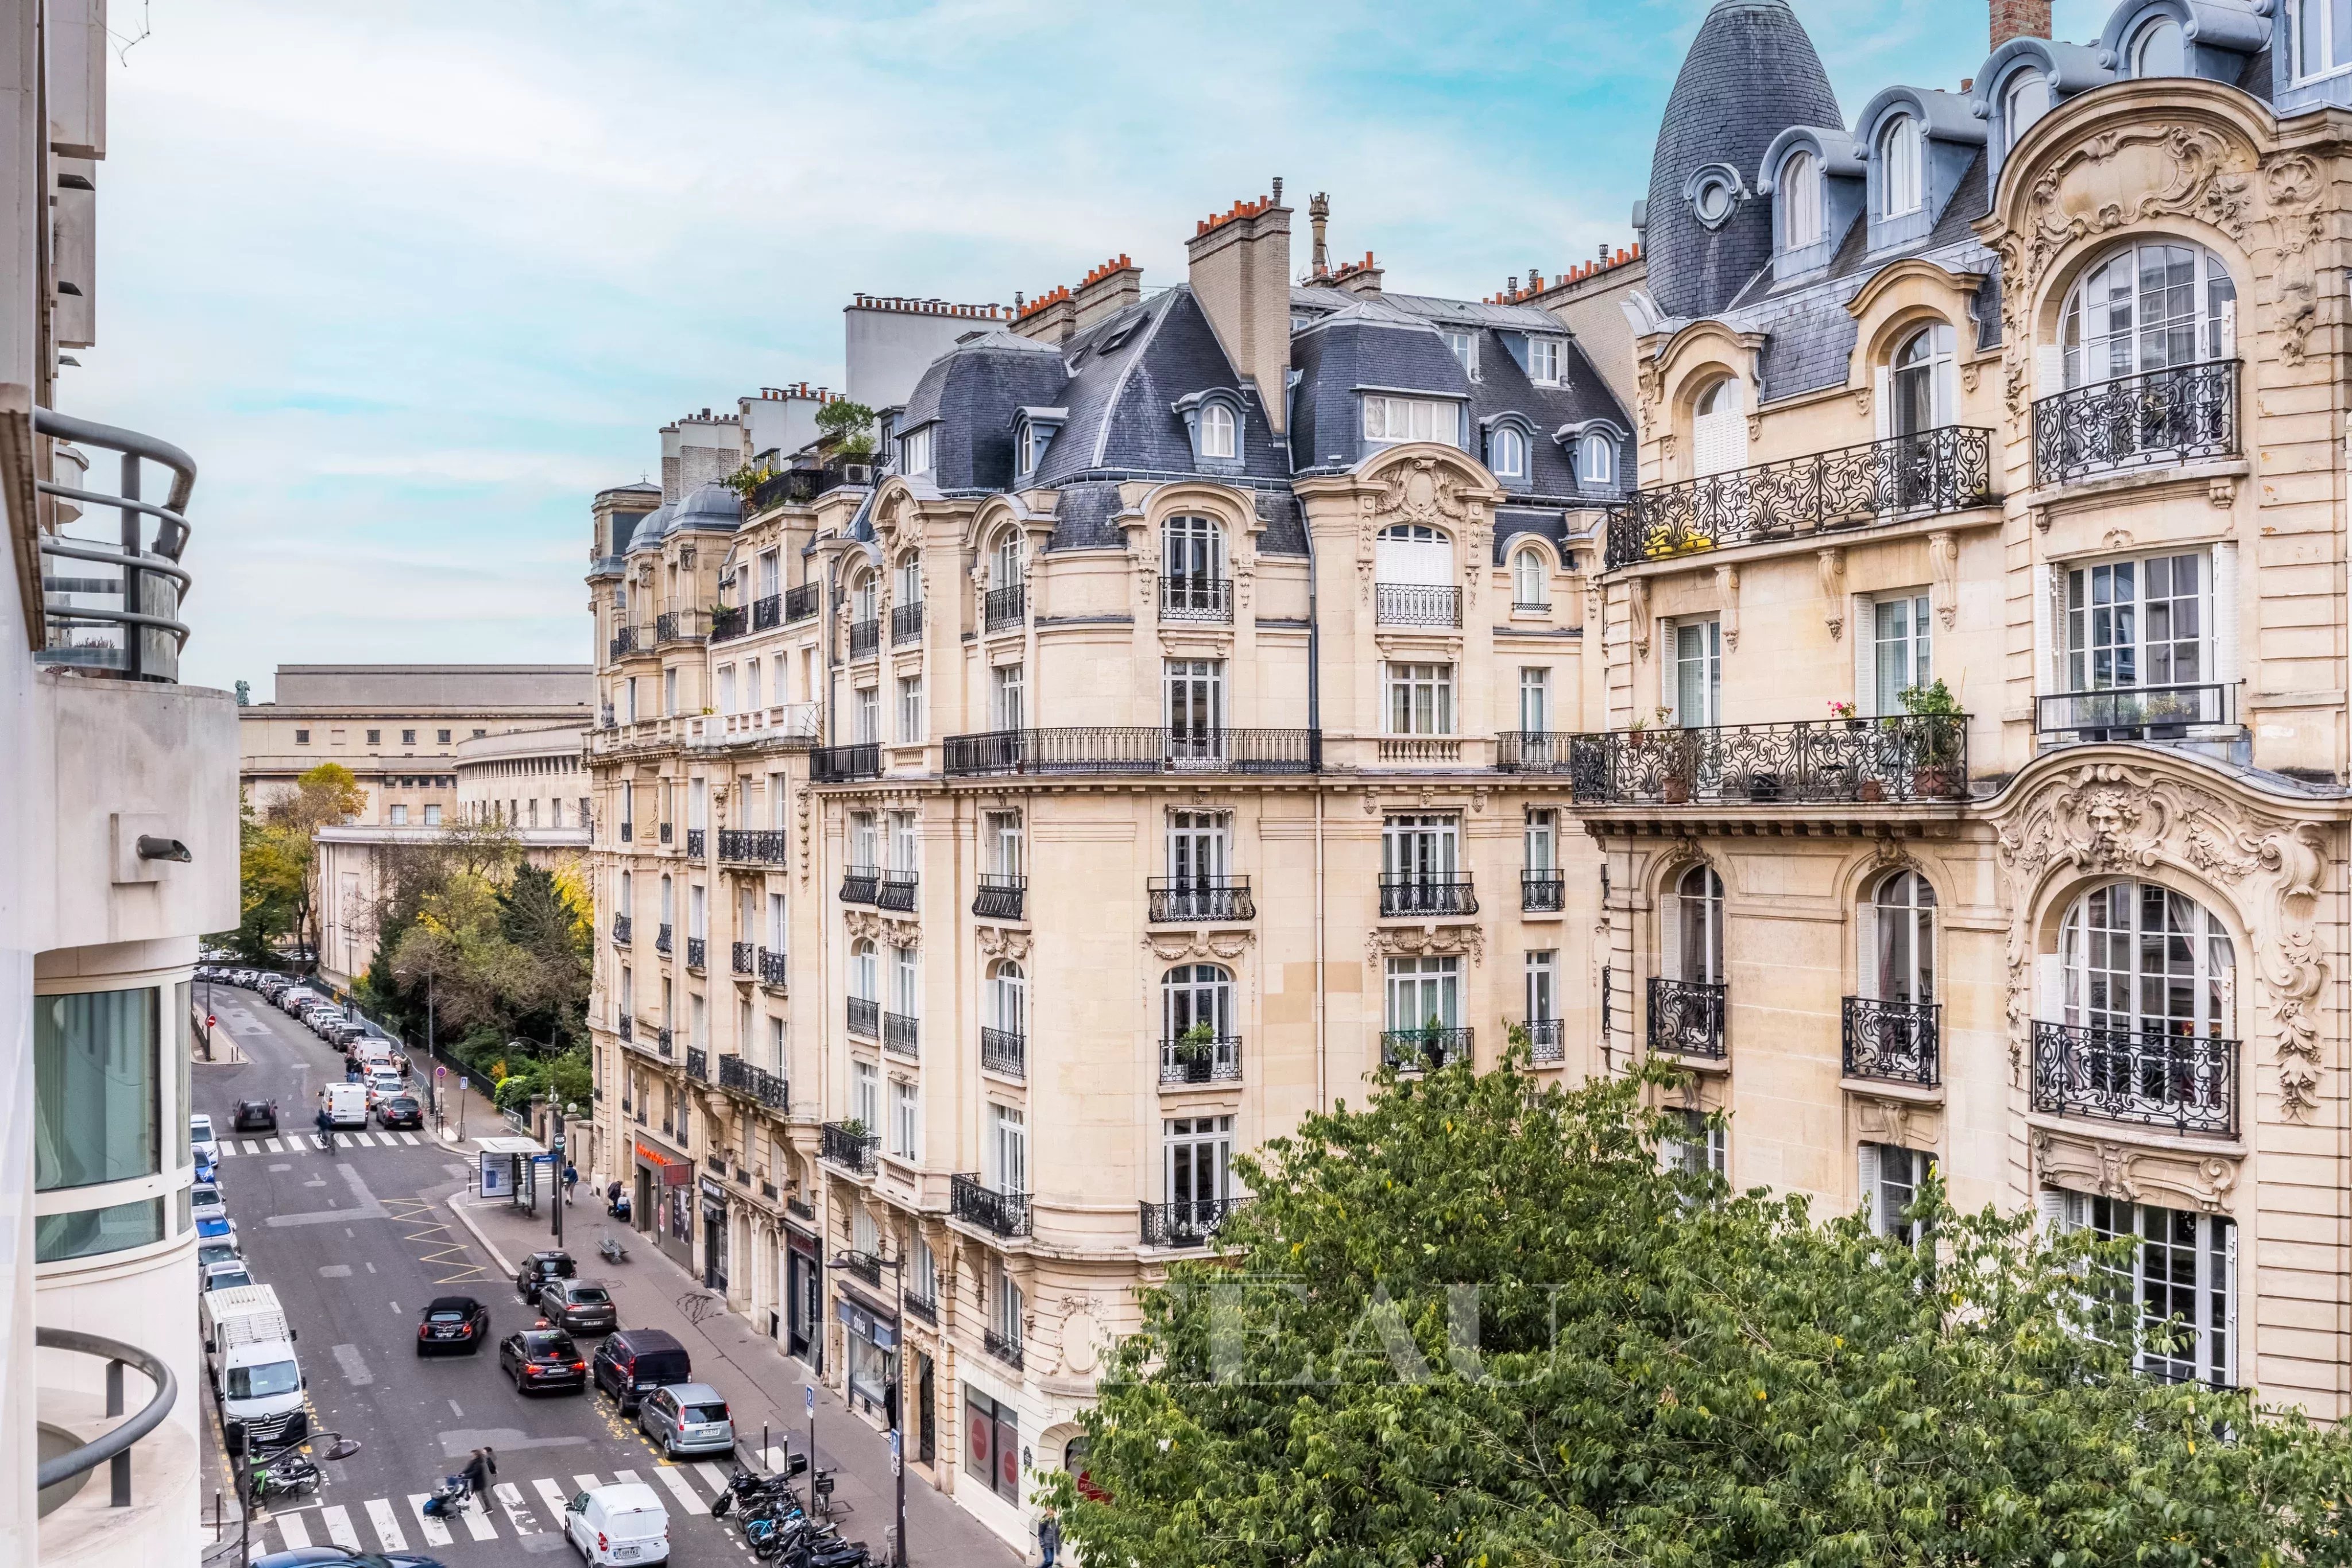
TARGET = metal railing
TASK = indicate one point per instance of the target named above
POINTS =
(973, 1200)
(1894, 1041)
(620, 927)
(2146, 1076)
(697, 951)
(800, 1207)
(661, 937)
(1416, 604)
(767, 612)
(804, 484)
(626, 1029)
(661, 1041)
(1687, 1018)
(1004, 1050)
(2135, 713)
(906, 623)
(1000, 898)
(752, 846)
(1188, 1222)
(1936, 471)
(772, 967)
(865, 638)
(1546, 1040)
(1858, 761)
(630, 639)
(865, 1265)
(1417, 893)
(740, 958)
(629, 831)
(1112, 749)
(696, 842)
(1007, 1351)
(730, 621)
(860, 883)
(1429, 1046)
(1542, 892)
(124, 622)
(901, 1035)
(865, 1017)
(682, 626)
(698, 1064)
(113, 1447)
(803, 601)
(842, 764)
(926, 1308)
(1215, 1060)
(895, 892)
(1207, 598)
(2156, 418)
(1191, 900)
(1001, 608)
(851, 1151)
(737, 1076)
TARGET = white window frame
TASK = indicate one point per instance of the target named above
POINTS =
(1464, 343)
(915, 451)
(2013, 90)
(1196, 1153)
(1008, 697)
(910, 710)
(1902, 167)
(866, 1094)
(2214, 296)
(1506, 452)
(1892, 1176)
(1542, 979)
(2144, 39)
(1596, 462)
(1420, 699)
(1695, 649)
(1542, 841)
(2215, 1354)
(2323, 11)
(1547, 361)
(2077, 621)
(1535, 699)
(1530, 580)
(1220, 431)
(906, 1121)
(1800, 188)
(1701, 1147)
(1389, 420)
(1008, 1148)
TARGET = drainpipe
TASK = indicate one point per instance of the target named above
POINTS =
(1315, 739)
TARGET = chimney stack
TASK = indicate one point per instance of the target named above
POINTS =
(1240, 273)
(1107, 290)
(2019, 19)
(1319, 214)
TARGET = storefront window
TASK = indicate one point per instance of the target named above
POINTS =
(91, 1231)
(992, 1447)
(95, 1073)
(873, 1355)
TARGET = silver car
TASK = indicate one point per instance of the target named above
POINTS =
(687, 1418)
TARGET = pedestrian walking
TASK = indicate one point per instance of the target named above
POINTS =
(1049, 1540)
(480, 1469)
(571, 1180)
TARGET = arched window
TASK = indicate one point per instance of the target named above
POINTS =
(1719, 429)
(1193, 584)
(2151, 306)
(1597, 458)
(1219, 438)
(1196, 1025)
(1004, 561)
(864, 596)
(1922, 378)
(1415, 554)
(865, 970)
(1506, 452)
(2024, 99)
(1008, 998)
(1901, 966)
(1529, 580)
(2138, 959)
(1902, 183)
(1698, 926)
(2159, 50)
(1800, 188)
(908, 587)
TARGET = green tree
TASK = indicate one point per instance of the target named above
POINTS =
(850, 425)
(1661, 1372)
(287, 845)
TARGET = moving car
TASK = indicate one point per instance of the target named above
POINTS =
(255, 1116)
(539, 1269)
(623, 1523)
(687, 1418)
(542, 1358)
(326, 1556)
(635, 1362)
(452, 1323)
(346, 1104)
(399, 1111)
(200, 1136)
(578, 1306)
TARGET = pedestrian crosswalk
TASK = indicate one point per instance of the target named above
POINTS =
(514, 1509)
(313, 1142)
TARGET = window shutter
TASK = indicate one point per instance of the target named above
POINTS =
(1862, 630)
(2046, 589)
(1870, 1195)
(1946, 392)
(2226, 1362)
(1665, 646)
(2049, 369)
(2051, 1205)
(1670, 933)
(2225, 612)
(2050, 986)
(1865, 972)
(1882, 401)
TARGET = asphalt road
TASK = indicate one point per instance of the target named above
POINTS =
(356, 1242)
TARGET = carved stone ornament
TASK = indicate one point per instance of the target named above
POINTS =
(1944, 569)
(1197, 946)
(1898, 1122)
(2116, 819)
(1968, 374)
(2292, 186)
(1005, 942)
(1861, 401)
(1829, 564)
(1420, 491)
(1637, 614)
(801, 811)
(1727, 590)
(2163, 1177)
(1430, 941)
(865, 923)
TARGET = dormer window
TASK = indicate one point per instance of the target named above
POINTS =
(2160, 50)
(1506, 452)
(1035, 439)
(1464, 345)
(1596, 459)
(1213, 419)
(1544, 361)
(1411, 418)
(1220, 436)
(2024, 99)
(2323, 37)
(1901, 187)
(1800, 187)
(915, 451)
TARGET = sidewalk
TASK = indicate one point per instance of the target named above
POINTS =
(759, 1381)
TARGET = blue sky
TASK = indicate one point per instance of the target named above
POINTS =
(412, 280)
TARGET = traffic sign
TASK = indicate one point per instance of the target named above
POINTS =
(210, 1020)
(461, 1086)
(809, 1398)
(894, 1450)
(440, 1072)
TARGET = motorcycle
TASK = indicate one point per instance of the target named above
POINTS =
(751, 1490)
(281, 1475)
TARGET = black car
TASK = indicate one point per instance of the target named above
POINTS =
(329, 1556)
(578, 1306)
(452, 1323)
(539, 1269)
(542, 1358)
(255, 1116)
(635, 1362)
(399, 1111)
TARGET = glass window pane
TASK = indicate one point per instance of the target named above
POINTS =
(87, 1232)
(95, 1087)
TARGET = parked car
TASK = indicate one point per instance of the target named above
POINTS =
(452, 1323)
(227, 1275)
(329, 1556)
(383, 1083)
(399, 1111)
(687, 1418)
(539, 1269)
(204, 1200)
(635, 1362)
(216, 1228)
(540, 1359)
(219, 1249)
(255, 1116)
(578, 1306)
(201, 1139)
(622, 1524)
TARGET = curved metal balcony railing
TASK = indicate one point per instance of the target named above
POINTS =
(1001, 608)
(865, 1017)
(906, 623)
(1909, 757)
(1687, 1018)
(1936, 471)
(2155, 419)
(973, 1200)
(849, 1149)
(865, 637)
(1896, 1042)
(1542, 892)
(1416, 604)
(1188, 1222)
(113, 1448)
(125, 622)
(1133, 749)
(1001, 897)
(2146, 1076)
(1191, 900)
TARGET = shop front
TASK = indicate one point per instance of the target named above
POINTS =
(804, 1298)
(714, 1236)
(664, 1200)
(871, 1335)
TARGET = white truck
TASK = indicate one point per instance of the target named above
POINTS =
(256, 1377)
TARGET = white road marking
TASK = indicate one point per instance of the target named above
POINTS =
(276, 1147)
(713, 1474)
(777, 1459)
(436, 1532)
(477, 1520)
(686, 1496)
(387, 1525)
(586, 1483)
(338, 1521)
(297, 1534)
(518, 1511)
(410, 1139)
(553, 1495)
(627, 1478)
(228, 1151)
(361, 1139)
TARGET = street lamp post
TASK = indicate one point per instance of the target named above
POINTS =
(897, 1267)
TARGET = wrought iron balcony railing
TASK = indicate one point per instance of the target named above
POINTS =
(749, 846)
(730, 621)
(906, 623)
(865, 1265)
(1001, 897)
(896, 892)
(844, 764)
(661, 1041)
(2146, 1076)
(767, 612)
(1894, 1042)
(1215, 1061)
(801, 485)
(901, 1035)
(740, 958)
(1910, 758)
(865, 638)
(737, 1076)
(973, 1200)
(2155, 419)
(698, 840)
(926, 1308)
(772, 967)
(866, 1017)
(851, 1151)
(1004, 1050)
(1687, 1018)
(1427, 1047)
(803, 601)
(800, 1207)
(1414, 892)
(621, 924)
(627, 1028)
(664, 833)
(1187, 1222)
(1416, 604)
(627, 640)
(697, 950)
(1542, 892)
(682, 626)
(735, 1073)
(1001, 608)
(860, 883)
(1546, 1040)
(1207, 598)
(2135, 713)
(1192, 900)
(124, 620)
(1936, 471)
(1107, 749)
(698, 1064)
(661, 938)
(1004, 1349)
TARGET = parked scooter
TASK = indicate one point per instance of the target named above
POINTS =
(281, 1474)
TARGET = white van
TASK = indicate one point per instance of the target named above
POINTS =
(255, 1375)
(346, 1103)
(620, 1523)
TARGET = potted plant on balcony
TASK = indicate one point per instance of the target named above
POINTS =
(1679, 770)
(853, 1128)
(1432, 1043)
(1194, 1049)
(1937, 740)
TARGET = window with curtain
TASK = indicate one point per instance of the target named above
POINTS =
(1698, 914)
(1218, 433)
(1800, 194)
(1902, 179)
(2150, 306)
(1506, 452)
(1530, 581)
(1904, 964)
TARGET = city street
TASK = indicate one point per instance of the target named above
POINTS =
(358, 1240)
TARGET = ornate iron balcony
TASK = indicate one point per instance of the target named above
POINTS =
(1193, 1222)
(803, 601)
(973, 1200)
(1005, 607)
(621, 924)
(861, 885)
(906, 623)
(925, 1308)
(1216, 1061)
(698, 1064)
(739, 958)
(729, 621)
(901, 1035)
(2155, 419)
(1546, 1040)
(661, 938)
(1533, 751)
(696, 843)
(1542, 892)
(1896, 1041)
(1936, 471)
(1001, 897)
(1416, 604)
(1191, 900)
(1007, 1351)
(767, 612)
(735, 1073)
(1134, 750)
(866, 1017)
(1429, 1046)
(627, 640)
(865, 638)
(895, 892)
(681, 626)
(851, 1151)
(772, 967)
(2187, 1083)
(1004, 1050)
(843, 764)
(746, 846)
(1207, 598)
(865, 1265)
(800, 1207)
(661, 1041)
(771, 1090)
(1910, 758)
(697, 952)
(1412, 892)
(627, 1028)
(2135, 713)
(1687, 1018)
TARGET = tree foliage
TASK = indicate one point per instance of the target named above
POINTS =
(851, 425)
(279, 860)
(1661, 1372)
